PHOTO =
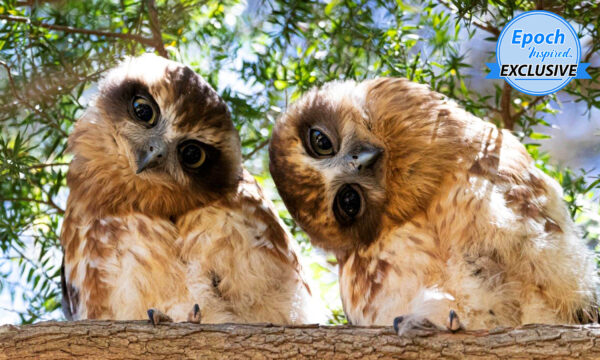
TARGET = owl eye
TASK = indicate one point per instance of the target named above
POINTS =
(144, 111)
(347, 204)
(320, 143)
(192, 154)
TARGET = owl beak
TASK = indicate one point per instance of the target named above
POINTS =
(151, 155)
(366, 157)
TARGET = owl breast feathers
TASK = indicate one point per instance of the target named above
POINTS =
(432, 213)
(161, 213)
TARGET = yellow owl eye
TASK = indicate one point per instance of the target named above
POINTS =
(144, 111)
(192, 154)
(320, 143)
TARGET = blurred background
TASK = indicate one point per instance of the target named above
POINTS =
(260, 56)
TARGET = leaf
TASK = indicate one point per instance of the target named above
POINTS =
(280, 84)
(330, 6)
(539, 136)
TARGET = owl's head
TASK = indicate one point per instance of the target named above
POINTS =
(350, 160)
(157, 138)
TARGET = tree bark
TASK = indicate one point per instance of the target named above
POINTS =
(138, 339)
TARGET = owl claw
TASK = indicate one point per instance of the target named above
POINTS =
(156, 317)
(397, 321)
(453, 322)
(195, 316)
(403, 324)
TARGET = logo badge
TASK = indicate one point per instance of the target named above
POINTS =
(538, 53)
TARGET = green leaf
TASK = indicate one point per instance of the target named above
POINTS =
(539, 136)
(280, 84)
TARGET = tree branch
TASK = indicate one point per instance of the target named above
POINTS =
(41, 166)
(507, 120)
(49, 121)
(256, 149)
(531, 104)
(480, 24)
(49, 203)
(69, 29)
(155, 28)
(32, 264)
(10, 310)
(33, 2)
(138, 339)
(486, 26)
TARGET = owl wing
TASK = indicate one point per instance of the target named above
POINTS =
(68, 301)
(241, 261)
(517, 215)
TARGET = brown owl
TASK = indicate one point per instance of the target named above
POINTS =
(432, 213)
(161, 214)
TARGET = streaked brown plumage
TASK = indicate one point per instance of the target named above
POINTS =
(161, 213)
(429, 209)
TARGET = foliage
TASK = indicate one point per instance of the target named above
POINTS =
(260, 56)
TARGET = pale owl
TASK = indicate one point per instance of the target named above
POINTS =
(161, 214)
(435, 216)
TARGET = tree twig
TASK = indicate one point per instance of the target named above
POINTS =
(69, 29)
(49, 203)
(155, 28)
(41, 166)
(49, 121)
(491, 108)
(533, 103)
(480, 24)
(32, 264)
(487, 27)
(33, 2)
(256, 149)
(10, 310)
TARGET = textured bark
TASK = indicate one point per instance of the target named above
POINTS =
(138, 339)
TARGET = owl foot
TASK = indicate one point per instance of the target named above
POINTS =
(453, 322)
(403, 324)
(195, 316)
(156, 317)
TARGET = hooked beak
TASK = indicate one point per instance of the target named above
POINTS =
(366, 156)
(150, 155)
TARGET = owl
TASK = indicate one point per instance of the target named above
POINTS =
(162, 220)
(437, 218)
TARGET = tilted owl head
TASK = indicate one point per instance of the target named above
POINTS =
(157, 138)
(351, 159)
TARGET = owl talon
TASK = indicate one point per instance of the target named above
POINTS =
(195, 316)
(397, 321)
(156, 317)
(403, 324)
(453, 322)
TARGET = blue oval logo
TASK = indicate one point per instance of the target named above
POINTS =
(538, 53)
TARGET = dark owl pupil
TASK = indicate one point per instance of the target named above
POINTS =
(143, 111)
(323, 142)
(191, 154)
(349, 201)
